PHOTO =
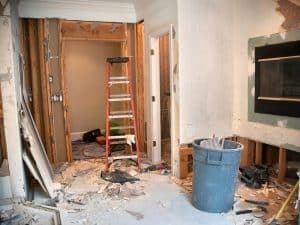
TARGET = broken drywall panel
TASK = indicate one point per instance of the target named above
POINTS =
(5, 188)
(33, 169)
(8, 65)
(205, 68)
(36, 147)
(30, 213)
(105, 11)
(38, 162)
(290, 9)
(289, 122)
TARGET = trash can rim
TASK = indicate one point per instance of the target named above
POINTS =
(197, 146)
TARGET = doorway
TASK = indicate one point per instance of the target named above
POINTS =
(165, 103)
(85, 77)
(161, 102)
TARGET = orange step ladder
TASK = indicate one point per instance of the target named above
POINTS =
(123, 115)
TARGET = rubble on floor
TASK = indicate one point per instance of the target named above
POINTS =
(85, 183)
(27, 213)
(85, 180)
(273, 192)
(118, 176)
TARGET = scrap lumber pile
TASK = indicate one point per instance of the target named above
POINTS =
(275, 194)
(272, 192)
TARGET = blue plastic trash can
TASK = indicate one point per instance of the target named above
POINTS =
(214, 176)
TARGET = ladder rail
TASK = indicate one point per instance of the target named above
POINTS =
(107, 141)
(137, 147)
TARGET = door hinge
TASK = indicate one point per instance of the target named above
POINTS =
(154, 143)
(153, 98)
(151, 51)
(173, 33)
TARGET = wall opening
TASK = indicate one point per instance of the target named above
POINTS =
(165, 103)
(277, 79)
(85, 80)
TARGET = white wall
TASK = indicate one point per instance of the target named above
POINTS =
(205, 68)
(252, 19)
(85, 10)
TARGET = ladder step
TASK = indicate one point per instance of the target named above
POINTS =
(117, 142)
(120, 116)
(123, 157)
(119, 99)
(118, 137)
(118, 82)
(117, 60)
(118, 78)
(120, 112)
(120, 96)
(121, 128)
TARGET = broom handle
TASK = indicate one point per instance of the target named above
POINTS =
(287, 201)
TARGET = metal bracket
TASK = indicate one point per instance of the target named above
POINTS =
(154, 143)
(50, 78)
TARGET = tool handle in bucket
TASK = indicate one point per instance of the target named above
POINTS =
(215, 162)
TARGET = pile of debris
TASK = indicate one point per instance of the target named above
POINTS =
(86, 179)
(28, 213)
(186, 184)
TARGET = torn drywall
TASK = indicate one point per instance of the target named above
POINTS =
(290, 9)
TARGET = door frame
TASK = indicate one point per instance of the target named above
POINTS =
(154, 145)
(86, 35)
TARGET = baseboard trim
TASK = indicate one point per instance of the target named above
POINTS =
(77, 136)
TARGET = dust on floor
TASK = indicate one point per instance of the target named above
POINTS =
(155, 199)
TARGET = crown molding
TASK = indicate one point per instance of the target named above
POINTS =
(85, 10)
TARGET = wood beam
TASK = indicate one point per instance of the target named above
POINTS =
(64, 94)
(35, 71)
(184, 153)
(247, 157)
(281, 164)
(45, 89)
(258, 152)
(77, 30)
(139, 83)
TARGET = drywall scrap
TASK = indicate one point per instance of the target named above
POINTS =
(30, 213)
(33, 169)
(35, 156)
(37, 151)
(82, 180)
